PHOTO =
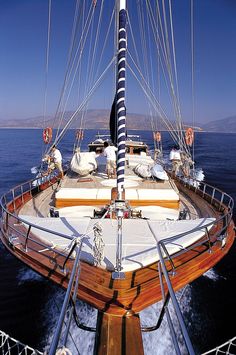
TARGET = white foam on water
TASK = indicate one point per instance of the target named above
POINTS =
(26, 274)
(34, 170)
(159, 342)
(79, 341)
(212, 275)
(199, 174)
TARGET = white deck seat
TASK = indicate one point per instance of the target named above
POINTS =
(131, 194)
(83, 194)
(157, 194)
(105, 193)
(158, 212)
(74, 193)
(77, 211)
(139, 237)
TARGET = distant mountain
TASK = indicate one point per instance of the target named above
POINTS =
(99, 119)
(224, 125)
(95, 119)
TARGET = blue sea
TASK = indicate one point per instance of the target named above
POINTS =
(29, 304)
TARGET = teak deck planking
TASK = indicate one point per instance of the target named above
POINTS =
(120, 301)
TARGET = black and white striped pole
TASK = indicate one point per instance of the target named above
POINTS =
(120, 97)
(121, 133)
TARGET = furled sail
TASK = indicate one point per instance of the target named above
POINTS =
(113, 123)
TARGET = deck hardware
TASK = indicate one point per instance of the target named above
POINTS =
(222, 239)
(13, 240)
(136, 213)
(75, 243)
(221, 200)
(22, 195)
(53, 212)
(208, 240)
(119, 207)
(14, 202)
(64, 270)
(99, 213)
(204, 190)
(27, 237)
(173, 271)
(30, 189)
(183, 214)
(213, 195)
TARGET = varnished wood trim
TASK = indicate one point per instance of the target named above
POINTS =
(101, 202)
(140, 288)
(118, 335)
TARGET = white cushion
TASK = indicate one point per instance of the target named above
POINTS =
(76, 193)
(131, 194)
(104, 194)
(157, 194)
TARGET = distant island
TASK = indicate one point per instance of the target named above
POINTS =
(99, 119)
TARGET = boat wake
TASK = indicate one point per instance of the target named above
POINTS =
(212, 275)
(82, 342)
(26, 274)
(79, 341)
(159, 342)
(199, 174)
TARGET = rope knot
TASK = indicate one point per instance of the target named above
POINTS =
(63, 351)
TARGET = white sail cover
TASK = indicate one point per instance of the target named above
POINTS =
(158, 172)
(83, 163)
(143, 170)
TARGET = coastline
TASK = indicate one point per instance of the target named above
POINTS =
(107, 129)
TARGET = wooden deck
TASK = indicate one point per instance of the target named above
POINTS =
(118, 301)
(140, 288)
(42, 203)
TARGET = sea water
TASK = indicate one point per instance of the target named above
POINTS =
(30, 304)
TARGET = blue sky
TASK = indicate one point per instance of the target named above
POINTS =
(23, 37)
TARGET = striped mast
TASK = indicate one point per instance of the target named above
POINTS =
(120, 97)
(121, 132)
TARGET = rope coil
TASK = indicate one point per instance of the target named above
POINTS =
(98, 248)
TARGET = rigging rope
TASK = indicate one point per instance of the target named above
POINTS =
(138, 67)
(47, 60)
(46, 72)
(91, 58)
(192, 73)
(151, 96)
(71, 63)
(162, 37)
(83, 104)
(165, 45)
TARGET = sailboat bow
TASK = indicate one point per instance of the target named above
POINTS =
(125, 243)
